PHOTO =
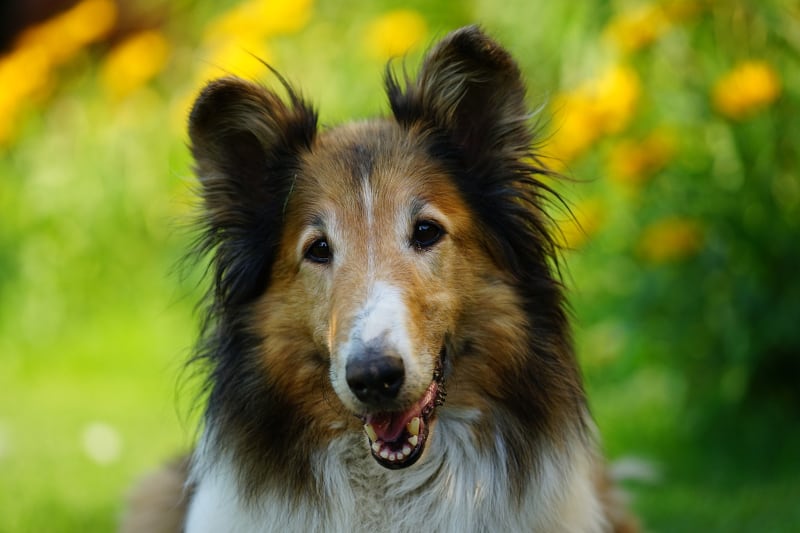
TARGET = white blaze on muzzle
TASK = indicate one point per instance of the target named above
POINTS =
(383, 318)
(377, 361)
(388, 379)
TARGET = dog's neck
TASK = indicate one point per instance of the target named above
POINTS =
(457, 487)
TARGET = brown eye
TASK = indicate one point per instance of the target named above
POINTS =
(319, 251)
(426, 234)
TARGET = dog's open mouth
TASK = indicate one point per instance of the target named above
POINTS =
(397, 439)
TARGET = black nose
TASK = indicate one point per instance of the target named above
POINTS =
(375, 378)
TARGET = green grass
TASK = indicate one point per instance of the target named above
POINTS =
(105, 374)
(743, 477)
(727, 470)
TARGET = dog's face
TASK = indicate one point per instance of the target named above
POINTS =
(364, 259)
(376, 256)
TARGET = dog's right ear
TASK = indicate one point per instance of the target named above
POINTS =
(246, 143)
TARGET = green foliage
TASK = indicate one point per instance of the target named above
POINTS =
(686, 302)
(711, 294)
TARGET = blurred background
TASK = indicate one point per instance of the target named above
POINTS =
(676, 119)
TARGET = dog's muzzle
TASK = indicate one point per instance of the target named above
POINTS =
(397, 438)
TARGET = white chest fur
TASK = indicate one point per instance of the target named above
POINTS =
(454, 488)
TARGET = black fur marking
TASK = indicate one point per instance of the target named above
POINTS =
(469, 103)
(362, 161)
(246, 143)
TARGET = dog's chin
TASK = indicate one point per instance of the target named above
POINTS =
(397, 439)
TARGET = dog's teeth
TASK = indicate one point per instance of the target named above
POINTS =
(400, 456)
(413, 440)
(376, 446)
(413, 426)
(406, 450)
(370, 432)
(384, 454)
(392, 456)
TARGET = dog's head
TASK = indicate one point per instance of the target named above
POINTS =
(371, 253)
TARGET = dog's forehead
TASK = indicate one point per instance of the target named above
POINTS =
(392, 163)
(361, 150)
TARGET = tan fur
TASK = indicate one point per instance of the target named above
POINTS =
(328, 302)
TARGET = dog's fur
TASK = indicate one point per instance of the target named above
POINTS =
(357, 272)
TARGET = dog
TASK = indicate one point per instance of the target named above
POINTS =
(387, 344)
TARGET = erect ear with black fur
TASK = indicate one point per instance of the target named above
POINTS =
(472, 88)
(246, 142)
(468, 101)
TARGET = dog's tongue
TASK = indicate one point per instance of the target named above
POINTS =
(389, 426)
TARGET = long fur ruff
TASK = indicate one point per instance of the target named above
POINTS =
(387, 346)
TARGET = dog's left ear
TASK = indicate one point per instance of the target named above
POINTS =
(471, 87)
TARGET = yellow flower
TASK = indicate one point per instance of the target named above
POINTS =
(18, 89)
(243, 58)
(588, 219)
(23, 72)
(599, 107)
(62, 36)
(631, 162)
(394, 33)
(88, 21)
(670, 239)
(257, 19)
(636, 28)
(26, 72)
(576, 125)
(616, 98)
(746, 89)
(640, 26)
(134, 62)
(237, 40)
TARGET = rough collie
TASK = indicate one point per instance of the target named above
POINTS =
(387, 346)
